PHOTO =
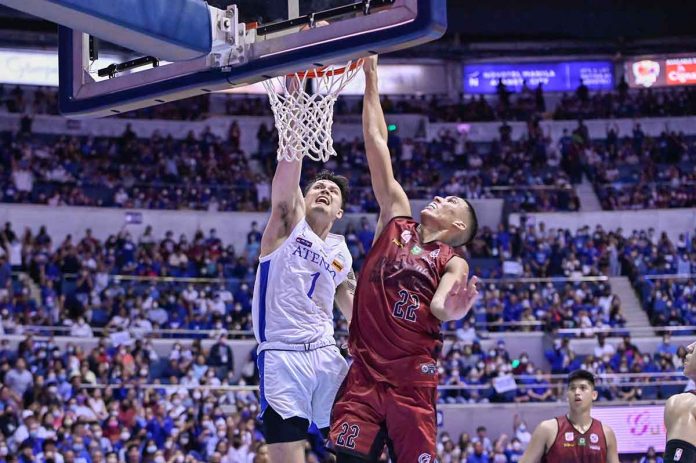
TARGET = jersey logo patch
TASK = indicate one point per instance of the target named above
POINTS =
(435, 253)
(337, 264)
(428, 368)
(406, 236)
(303, 242)
(594, 438)
(424, 458)
(416, 250)
(678, 454)
(397, 242)
(581, 442)
(569, 436)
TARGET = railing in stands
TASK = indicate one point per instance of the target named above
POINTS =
(482, 327)
(670, 276)
(554, 381)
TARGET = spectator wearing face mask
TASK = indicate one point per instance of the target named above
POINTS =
(49, 453)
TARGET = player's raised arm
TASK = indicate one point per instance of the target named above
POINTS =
(390, 196)
(456, 293)
(345, 292)
(287, 202)
(536, 449)
(287, 205)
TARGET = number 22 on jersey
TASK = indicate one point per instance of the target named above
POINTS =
(405, 308)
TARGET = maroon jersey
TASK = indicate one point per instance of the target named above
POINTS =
(393, 334)
(572, 447)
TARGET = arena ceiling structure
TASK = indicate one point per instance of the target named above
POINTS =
(485, 29)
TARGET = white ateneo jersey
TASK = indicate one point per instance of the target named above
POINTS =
(295, 287)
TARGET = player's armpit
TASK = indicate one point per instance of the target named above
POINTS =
(345, 293)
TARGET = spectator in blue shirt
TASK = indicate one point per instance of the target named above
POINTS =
(478, 455)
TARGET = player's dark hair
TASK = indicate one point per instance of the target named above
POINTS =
(472, 226)
(581, 374)
(339, 180)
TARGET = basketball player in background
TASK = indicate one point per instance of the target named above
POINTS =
(575, 437)
(302, 269)
(680, 418)
(411, 281)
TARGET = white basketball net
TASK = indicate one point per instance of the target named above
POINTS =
(304, 120)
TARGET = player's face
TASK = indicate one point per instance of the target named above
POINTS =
(447, 212)
(690, 362)
(581, 394)
(324, 197)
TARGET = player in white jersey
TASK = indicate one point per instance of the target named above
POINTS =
(302, 269)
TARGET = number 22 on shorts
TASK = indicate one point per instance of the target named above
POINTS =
(347, 436)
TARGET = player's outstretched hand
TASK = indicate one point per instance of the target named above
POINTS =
(370, 64)
(462, 296)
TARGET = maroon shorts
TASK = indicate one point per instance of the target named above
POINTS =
(367, 415)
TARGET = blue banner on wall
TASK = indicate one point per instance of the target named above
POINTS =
(555, 76)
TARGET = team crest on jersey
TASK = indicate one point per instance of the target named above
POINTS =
(424, 458)
(581, 442)
(435, 253)
(303, 242)
(406, 236)
(594, 438)
(416, 250)
(569, 436)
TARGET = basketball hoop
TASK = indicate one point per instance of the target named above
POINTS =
(304, 120)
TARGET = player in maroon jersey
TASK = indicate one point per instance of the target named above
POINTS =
(680, 418)
(575, 437)
(410, 282)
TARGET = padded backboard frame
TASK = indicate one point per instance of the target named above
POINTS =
(404, 24)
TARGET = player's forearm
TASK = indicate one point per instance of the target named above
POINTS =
(374, 124)
(388, 192)
(438, 309)
(286, 182)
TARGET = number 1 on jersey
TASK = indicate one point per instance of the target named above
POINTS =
(409, 314)
(315, 277)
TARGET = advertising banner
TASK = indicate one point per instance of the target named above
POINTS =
(555, 76)
(636, 428)
(661, 72)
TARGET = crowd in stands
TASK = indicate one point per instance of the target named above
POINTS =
(506, 105)
(639, 172)
(483, 373)
(205, 172)
(132, 402)
(47, 408)
(86, 284)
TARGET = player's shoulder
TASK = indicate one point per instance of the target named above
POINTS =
(548, 428)
(681, 401)
(608, 431)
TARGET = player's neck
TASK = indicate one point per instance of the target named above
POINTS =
(581, 420)
(320, 227)
(427, 234)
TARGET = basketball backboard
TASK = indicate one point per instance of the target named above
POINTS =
(252, 40)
